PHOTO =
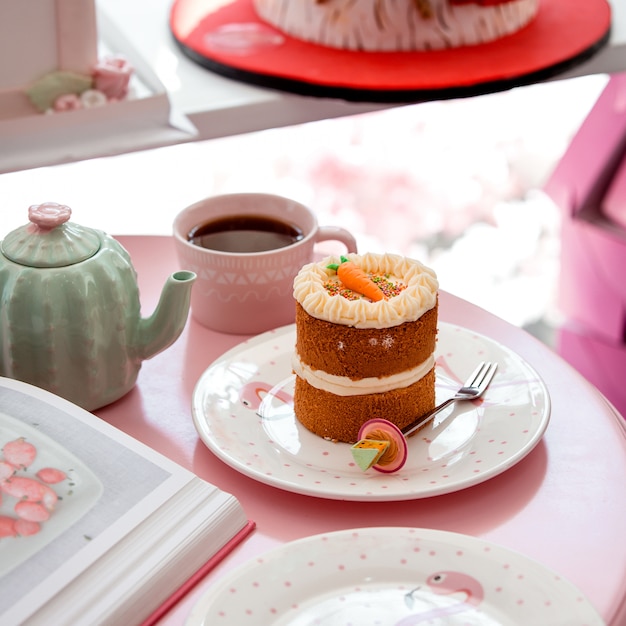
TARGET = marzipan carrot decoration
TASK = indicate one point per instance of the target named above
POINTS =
(353, 277)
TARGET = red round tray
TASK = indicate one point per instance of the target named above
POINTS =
(234, 42)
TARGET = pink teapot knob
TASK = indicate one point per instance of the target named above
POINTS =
(49, 214)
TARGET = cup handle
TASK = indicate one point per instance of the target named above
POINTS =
(334, 233)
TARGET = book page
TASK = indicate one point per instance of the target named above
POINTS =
(112, 484)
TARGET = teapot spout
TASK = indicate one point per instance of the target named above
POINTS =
(164, 326)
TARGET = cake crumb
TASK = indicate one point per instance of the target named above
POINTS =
(388, 342)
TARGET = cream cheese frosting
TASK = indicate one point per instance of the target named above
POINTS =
(344, 386)
(418, 296)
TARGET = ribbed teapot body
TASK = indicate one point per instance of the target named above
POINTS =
(72, 330)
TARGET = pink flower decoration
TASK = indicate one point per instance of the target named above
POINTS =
(49, 214)
(92, 98)
(111, 76)
(67, 102)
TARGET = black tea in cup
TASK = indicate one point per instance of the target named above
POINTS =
(245, 233)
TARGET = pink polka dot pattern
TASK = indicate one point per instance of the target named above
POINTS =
(345, 576)
(243, 411)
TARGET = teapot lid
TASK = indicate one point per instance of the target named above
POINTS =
(50, 240)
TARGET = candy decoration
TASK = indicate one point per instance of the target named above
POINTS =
(381, 431)
(46, 90)
(368, 451)
(353, 277)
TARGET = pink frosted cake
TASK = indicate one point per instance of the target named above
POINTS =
(397, 25)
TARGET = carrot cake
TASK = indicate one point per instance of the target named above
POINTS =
(397, 25)
(364, 354)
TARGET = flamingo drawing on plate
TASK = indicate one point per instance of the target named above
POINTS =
(462, 586)
(254, 396)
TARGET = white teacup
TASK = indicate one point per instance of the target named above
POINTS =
(240, 290)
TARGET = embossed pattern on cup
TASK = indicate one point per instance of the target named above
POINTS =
(248, 293)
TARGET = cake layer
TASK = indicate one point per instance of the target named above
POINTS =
(397, 25)
(366, 332)
(344, 386)
(364, 353)
(340, 417)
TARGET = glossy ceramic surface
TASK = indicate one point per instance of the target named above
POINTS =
(420, 577)
(249, 292)
(70, 314)
(242, 409)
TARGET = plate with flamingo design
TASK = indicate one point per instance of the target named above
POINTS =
(392, 577)
(243, 411)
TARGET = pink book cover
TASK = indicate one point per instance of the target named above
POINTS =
(184, 589)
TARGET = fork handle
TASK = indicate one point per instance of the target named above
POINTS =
(427, 417)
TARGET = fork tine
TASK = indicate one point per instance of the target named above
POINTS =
(484, 383)
(472, 380)
(483, 373)
(479, 380)
(486, 379)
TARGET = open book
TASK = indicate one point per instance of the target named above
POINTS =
(96, 527)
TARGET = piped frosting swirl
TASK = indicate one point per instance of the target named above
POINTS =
(418, 296)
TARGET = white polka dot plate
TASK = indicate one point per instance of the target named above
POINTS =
(243, 411)
(392, 577)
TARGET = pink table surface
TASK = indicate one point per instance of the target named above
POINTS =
(563, 505)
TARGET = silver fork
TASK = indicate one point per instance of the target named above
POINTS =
(473, 388)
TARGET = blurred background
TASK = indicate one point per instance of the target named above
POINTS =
(463, 178)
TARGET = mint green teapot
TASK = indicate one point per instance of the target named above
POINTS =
(70, 312)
